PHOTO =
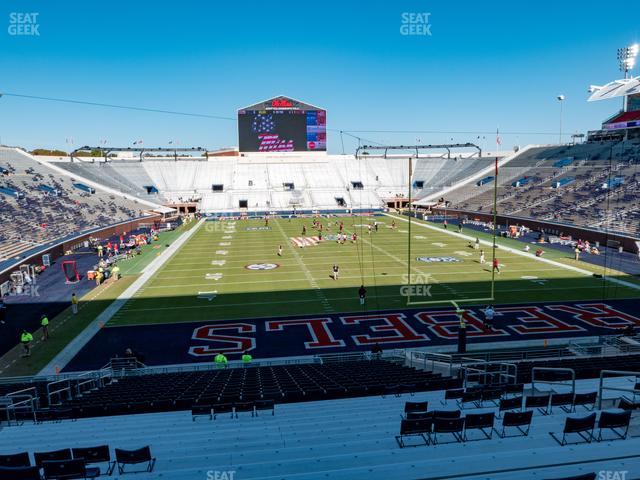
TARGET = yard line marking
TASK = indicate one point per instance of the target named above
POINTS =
(524, 254)
(309, 300)
(71, 350)
(208, 295)
(319, 293)
(402, 262)
(389, 275)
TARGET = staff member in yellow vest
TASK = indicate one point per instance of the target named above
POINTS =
(26, 338)
(246, 358)
(74, 303)
(115, 271)
(44, 322)
(220, 360)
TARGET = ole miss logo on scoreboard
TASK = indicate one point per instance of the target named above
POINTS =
(281, 103)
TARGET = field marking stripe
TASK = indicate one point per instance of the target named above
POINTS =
(308, 275)
(403, 270)
(292, 278)
(309, 300)
(73, 348)
(524, 254)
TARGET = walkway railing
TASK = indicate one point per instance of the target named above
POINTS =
(617, 373)
(554, 377)
(487, 373)
(58, 391)
(24, 402)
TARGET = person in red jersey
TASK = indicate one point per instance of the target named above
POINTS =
(496, 265)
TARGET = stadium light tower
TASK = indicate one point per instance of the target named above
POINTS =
(627, 58)
(561, 100)
(626, 61)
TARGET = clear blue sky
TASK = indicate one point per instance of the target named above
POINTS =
(486, 64)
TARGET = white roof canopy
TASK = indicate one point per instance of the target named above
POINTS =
(617, 88)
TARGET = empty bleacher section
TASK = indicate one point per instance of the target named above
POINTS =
(39, 204)
(278, 384)
(593, 185)
(128, 177)
(224, 184)
(454, 431)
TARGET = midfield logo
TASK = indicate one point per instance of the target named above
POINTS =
(262, 266)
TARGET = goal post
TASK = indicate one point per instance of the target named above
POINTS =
(413, 291)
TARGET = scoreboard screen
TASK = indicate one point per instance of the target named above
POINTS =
(282, 129)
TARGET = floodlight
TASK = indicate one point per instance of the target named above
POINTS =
(627, 57)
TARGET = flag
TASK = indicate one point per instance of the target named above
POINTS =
(498, 140)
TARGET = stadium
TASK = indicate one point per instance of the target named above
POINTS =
(315, 302)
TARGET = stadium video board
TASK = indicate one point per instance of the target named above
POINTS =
(282, 125)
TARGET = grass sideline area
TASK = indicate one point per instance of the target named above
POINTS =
(62, 329)
(231, 270)
(65, 326)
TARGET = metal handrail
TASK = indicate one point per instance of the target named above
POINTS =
(341, 357)
(553, 382)
(92, 379)
(67, 389)
(508, 372)
(211, 366)
(23, 392)
(13, 405)
(618, 373)
(416, 357)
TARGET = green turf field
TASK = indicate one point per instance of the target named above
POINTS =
(207, 278)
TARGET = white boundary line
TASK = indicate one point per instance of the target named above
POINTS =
(72, 349)
(522, 254)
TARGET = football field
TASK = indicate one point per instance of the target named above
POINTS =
(232, 270)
